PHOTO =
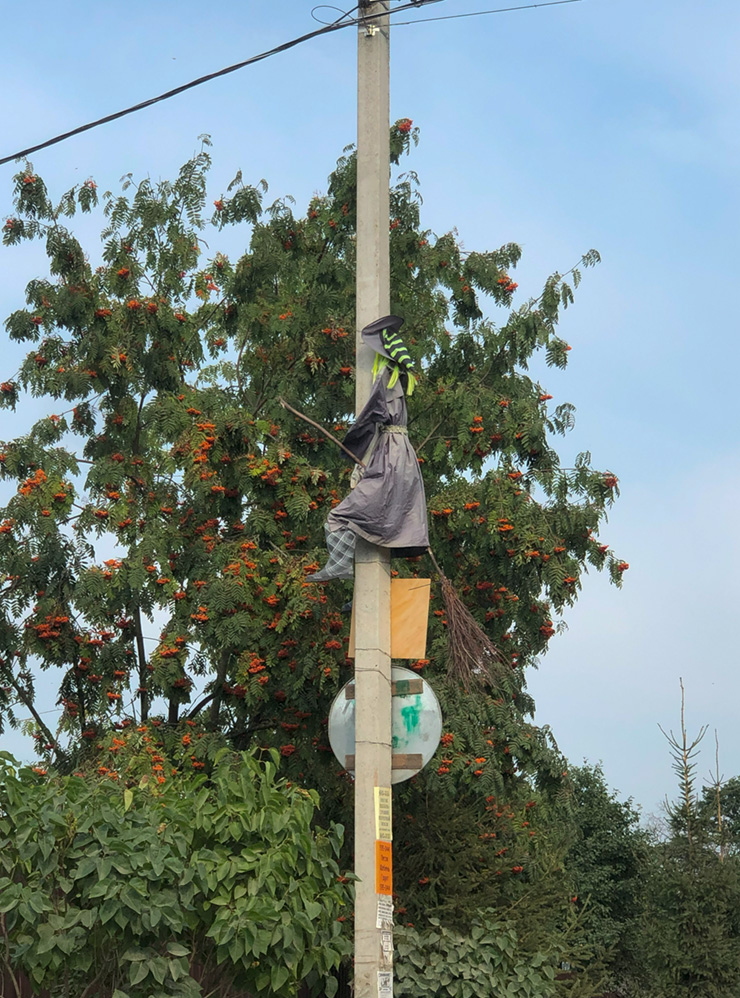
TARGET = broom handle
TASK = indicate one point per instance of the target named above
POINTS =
(321, 429)
(435, 563)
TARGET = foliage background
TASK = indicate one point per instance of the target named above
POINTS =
(205, 486)
(611, 137)
(144, 460)
(199, 886)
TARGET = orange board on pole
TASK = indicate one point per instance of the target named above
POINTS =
(409, 619)
(383, 867)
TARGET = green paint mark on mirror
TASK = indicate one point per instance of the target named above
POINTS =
(411, 714)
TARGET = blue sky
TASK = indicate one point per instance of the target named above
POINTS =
(611, 124)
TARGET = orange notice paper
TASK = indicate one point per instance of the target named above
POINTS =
(383, 868)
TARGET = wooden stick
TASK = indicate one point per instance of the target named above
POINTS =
(321, 429)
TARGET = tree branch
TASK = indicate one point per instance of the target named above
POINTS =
(37, 717)
(218, 691)
(429, 436)
(199, 706)
(141, 654)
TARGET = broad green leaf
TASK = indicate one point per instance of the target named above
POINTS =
(138, 971)
(278, 976)
(85, 868)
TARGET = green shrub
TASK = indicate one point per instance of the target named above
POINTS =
(486, 963)
(147, 891)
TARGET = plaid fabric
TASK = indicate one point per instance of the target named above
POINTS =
(341, 563)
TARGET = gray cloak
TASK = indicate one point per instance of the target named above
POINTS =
(387, 506)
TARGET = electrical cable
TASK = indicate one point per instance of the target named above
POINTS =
(284, 47)
(337, 25)
(478, 13)
(338, 20)
(346, 13)
(328, 6)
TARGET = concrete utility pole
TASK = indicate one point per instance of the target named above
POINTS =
(373, 920)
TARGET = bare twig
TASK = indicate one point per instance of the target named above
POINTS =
(685, 756)
(429, 436)
(6, 960)
(718, 798)
(282, 555)
(92, 986)
(36, 716)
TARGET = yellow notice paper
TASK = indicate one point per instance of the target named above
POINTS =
(383, 814)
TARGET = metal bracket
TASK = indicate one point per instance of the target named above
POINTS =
(399, 760)
(370, 30)
(399, 688)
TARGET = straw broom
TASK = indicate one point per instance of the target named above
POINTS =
(472, 658)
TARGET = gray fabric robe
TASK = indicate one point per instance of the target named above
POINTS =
(387, 507)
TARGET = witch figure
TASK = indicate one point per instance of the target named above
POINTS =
(386, 506)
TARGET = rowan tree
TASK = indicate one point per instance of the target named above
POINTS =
(168, 494)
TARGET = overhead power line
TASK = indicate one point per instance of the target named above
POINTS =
(338, 25)
(479, 13)
(335, 26)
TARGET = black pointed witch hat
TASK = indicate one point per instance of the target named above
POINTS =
(382, 336)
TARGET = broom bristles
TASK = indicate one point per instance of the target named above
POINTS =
(472, 658)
